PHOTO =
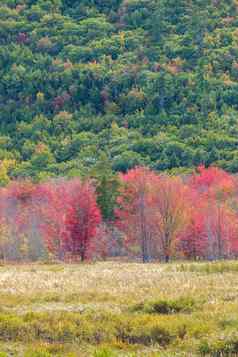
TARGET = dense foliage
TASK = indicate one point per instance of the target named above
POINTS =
(156, 216)
(194, 217)
(144, 82)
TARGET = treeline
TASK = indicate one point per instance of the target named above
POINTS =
(140, 214)
(149, 82)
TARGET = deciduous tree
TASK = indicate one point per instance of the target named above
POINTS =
(82, 218)
(169, 212)
(135, 209)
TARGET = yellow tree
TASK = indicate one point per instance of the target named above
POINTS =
(5, 167)
(169, 213)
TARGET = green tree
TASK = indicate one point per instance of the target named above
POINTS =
(107, 186)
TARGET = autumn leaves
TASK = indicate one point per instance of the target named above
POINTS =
(192, 217)
(156, 217)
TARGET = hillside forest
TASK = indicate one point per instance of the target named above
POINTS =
(118, 129)
(140, 82)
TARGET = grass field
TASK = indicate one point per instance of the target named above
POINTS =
(119, 309)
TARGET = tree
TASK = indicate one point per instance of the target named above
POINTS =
(52, 210)
(211, 232)
(107, 187)
(135, 209)
(213, 182)
(169, 212)
(82, 218)
(69, 217)
(20, 214)
(4, 229)
(212, 229)
(5, 167)
(193, 239)
(42, 157)
(221, 230)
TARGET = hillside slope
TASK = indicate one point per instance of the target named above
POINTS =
(150, 82)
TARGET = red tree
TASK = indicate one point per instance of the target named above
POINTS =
(212, 229)
(135, 209)
(213, 181)
(52, 210)
(82, 218)
(192, 239)
(70, 217)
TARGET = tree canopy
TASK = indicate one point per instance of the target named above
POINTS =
(144, 82)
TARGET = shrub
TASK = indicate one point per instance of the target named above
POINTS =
(143, 331)
(149, 336)
(166, 306)
(226, 346)
(14, 328)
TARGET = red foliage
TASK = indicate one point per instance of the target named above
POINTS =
(20, 204)
(193, 239)
(212, 229)
(22, 38)
(135, 209)
(152, 210)
(60, 100)
(161, 214)
(52, 209)
(70, 217)
(82, 218)
(21, 191)
(65, 213)
(157, 215)
(212, 181)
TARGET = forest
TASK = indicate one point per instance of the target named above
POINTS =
(118, 129)
(146, 216)
(140, 82)
(118, 178)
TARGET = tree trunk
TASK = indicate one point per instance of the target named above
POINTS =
(145, 256)
(143, 231)
(82, 255)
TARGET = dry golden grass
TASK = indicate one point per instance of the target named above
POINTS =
(89, 309)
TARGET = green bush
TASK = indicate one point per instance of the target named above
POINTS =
(142, 331)
(166, 306)
(226, 346)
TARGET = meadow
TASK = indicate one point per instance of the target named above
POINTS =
(110, 309)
